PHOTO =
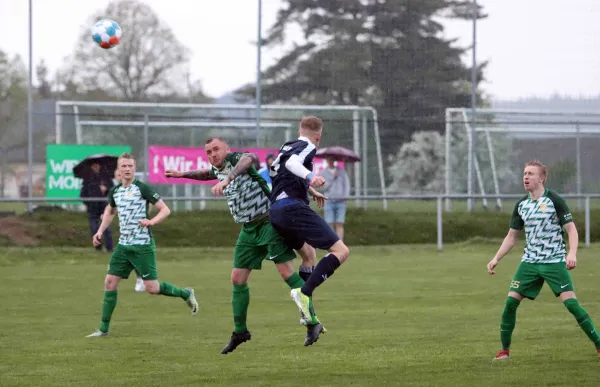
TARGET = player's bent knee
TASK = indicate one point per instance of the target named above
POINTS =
(516, 296)
(564, 296)
(111, 282)
(152, 287)
(239, 276)
(308, 255)
(340, 250)
(285, 269)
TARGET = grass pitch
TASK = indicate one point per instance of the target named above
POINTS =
(404, 315)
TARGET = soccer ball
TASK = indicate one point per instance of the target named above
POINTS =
(106, 33)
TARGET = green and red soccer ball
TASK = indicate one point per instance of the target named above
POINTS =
(107, 33)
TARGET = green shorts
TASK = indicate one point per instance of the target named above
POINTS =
(529, 279)
(257, 241)
(141, 258)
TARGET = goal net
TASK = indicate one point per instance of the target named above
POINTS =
(143, 125)
(503, 140)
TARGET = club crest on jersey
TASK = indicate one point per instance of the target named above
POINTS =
(543, 207)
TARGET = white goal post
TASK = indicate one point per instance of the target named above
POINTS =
(543, 124)
(360, 129)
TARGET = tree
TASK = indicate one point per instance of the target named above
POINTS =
(418, 167)
(389, 54)
(44, 90)
(149, 62)
(13, 110)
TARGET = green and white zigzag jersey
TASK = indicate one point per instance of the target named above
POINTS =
(132, 205)
(543, 220)
(248, 194)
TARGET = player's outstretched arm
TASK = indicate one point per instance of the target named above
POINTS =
(197, 174)
(510, 240)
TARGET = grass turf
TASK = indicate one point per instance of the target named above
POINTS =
(404, 315)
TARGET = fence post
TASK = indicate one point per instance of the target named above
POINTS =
(146, 156)
(587, 221)
(439, 223)
(578, 162)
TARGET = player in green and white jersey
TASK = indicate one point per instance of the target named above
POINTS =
(545, 217)
(247, 197)
(136, 248)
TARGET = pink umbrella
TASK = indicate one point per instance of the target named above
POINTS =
(338, 153)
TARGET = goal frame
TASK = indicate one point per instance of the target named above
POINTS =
(570, 119)
(359, 128)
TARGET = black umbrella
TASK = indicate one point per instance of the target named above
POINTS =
(108, 165)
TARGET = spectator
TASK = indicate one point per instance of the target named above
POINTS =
(337, 187)
(97, 186)
(264, 172)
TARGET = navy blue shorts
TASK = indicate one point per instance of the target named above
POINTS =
(297, 223)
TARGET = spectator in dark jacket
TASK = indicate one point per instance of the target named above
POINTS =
(97, 186)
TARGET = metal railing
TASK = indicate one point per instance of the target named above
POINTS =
(438, 198)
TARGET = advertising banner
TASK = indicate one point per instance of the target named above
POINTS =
(60, 160)
(186, 159)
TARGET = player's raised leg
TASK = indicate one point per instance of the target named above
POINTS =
(144, 260)
(297, 223)
(314, 328)
(338, 253)
(309, 261)
(282, 257)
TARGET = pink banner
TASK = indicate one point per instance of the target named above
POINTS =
(161, 158)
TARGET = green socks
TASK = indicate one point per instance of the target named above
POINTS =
(108, 306)
(166, 289)
(509, 319)
(240, 301)
(584, 320)
(294, 281)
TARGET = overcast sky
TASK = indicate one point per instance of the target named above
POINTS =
(535, 47)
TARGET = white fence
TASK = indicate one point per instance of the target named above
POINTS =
(438, 198)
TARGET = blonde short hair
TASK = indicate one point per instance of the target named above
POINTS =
(542, 167)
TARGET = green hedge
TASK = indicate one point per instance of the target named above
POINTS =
(215, 228)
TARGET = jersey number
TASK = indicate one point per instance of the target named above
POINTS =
(275, 166)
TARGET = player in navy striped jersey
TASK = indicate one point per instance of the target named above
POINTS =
(291, 215)
(247, 196)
